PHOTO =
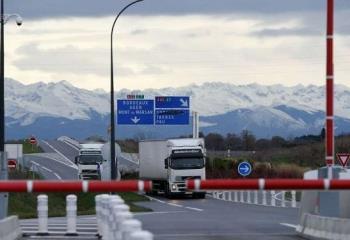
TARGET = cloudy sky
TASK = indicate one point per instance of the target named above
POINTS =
(171, 43)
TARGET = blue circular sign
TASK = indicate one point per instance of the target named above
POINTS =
(244, 169)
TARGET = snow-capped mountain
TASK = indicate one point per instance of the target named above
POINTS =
(265, 110)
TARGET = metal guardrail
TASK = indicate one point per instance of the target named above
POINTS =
(267, 198)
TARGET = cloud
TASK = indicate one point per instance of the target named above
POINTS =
(286, 32)
(88, 8)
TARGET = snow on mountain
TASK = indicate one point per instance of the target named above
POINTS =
(223, 107)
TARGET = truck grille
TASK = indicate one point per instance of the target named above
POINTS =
(184, 178)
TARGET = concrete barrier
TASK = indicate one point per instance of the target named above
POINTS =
(319, 227)
(9, 228)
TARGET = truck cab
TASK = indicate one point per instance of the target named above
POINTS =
(182, 164)
(89, 162)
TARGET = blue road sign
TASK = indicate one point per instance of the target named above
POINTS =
(244, 169)
(172, 116)
(172, 102)
(135, 112)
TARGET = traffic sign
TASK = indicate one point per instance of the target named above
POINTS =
(343, 158)
(135, 112)
(172, 102)
(244, 169)
(172, 117)
(32, 140)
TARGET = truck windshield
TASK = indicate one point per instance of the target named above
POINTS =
(187, 163)
(90, 159)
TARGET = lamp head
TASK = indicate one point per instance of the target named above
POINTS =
(19, 21)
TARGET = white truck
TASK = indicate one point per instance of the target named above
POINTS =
(89, 161)
(169, 163)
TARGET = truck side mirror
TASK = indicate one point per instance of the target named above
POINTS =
(76, 159)
(166, 163)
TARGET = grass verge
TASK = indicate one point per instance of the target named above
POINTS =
(24, 204)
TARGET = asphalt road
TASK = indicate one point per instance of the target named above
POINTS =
(193, 219)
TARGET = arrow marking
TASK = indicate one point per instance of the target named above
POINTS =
(135, 119)
(184, 103)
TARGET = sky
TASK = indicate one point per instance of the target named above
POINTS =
(173, 43)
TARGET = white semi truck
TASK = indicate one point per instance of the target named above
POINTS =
(89, 161)
(169, 163)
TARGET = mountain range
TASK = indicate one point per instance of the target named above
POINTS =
(50, 110)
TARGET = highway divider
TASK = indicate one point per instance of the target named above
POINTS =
(70, 141)
(319, 227)
(115, 222)
(9, 228)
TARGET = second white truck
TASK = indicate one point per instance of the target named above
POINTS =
(169, 163)
(89, 161)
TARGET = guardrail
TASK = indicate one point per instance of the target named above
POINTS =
(267, 198)
(69, 140)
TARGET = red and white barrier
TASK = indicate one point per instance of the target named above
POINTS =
(75, 186)
(268, 184)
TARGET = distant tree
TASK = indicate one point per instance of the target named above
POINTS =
(262, 144)
(214, 141)
(323, 134)
(248, 140)
(277, 142)
(233, 142)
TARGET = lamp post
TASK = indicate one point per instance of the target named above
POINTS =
(3, 164)
(114, 162)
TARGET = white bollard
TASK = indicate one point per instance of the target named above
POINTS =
(128, 227)
(273, 200)
(120, 217)
(235, 197)
(264, 201)
(98, 209)
(224, 195)
(256, 197)
(248, 197)
(141, 235)
(229, 196)
(294, 199)
(114, 200)
(241, 196)
(283, 199)
(104, 216)
(71, 208)
(42, 215)
(117, 209)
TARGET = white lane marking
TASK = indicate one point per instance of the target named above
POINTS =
(289, 225)
(175, 205)
(195, 209)
(151, 213)
(58, 176)
(45, 168)
(155, 199)
(48, 144)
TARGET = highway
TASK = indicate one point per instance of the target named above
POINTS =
(188, 219)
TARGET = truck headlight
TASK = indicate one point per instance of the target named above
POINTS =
(173, 187)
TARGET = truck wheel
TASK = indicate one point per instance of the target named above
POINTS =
(200, 195)
(167, 191)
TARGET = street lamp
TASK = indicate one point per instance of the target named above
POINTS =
(3, 164)
(114, 162)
